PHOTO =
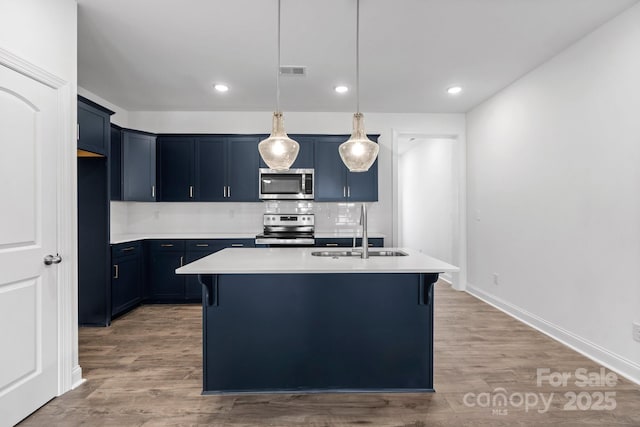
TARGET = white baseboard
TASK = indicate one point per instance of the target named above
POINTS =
(77, 377)
(625, 367)
(446, 277)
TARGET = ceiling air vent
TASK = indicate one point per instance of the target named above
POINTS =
(292, 70)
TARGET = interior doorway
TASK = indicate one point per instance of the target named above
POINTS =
(429, 198)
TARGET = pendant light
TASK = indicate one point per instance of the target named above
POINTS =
(358, 153)
(278, 151)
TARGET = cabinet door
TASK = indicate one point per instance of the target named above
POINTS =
(126, 289)
(210, 171)
(166, 285)
(197, 249)
(363, 186)
(330, 172)
(192, 287)
(175, 169)
(305, 157)
(139, 167)
(243, 165)
(115, 163)
(93, 128)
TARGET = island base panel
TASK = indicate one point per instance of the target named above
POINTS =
(318, 332)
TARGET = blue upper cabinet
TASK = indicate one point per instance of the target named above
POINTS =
(94, 123)
(334, 182)
(208, 168)
(138, 166)
(176, 171)
(224, 168)
(330, 172)
(242, 172)
(115, 162)
(211, 167)
(306, 154)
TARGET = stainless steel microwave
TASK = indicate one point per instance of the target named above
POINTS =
(292, 184)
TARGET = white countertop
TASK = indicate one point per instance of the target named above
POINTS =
(124, 238)
(300, 260)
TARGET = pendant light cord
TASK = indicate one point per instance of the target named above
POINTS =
(357, 56)
(278, 71)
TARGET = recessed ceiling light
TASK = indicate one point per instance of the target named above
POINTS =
(454, 90)
(221, 87)
(341, 89)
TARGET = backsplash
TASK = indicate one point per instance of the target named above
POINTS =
(194, 217)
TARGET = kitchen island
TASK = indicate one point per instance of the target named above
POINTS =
(285, 320)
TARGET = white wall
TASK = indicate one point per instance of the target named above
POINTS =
(246, 217)
(554, 195)
(44, 33)
(427, 196)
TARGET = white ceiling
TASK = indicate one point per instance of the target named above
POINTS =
(165, 55)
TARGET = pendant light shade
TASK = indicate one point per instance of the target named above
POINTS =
(358, 153)
(278, 151)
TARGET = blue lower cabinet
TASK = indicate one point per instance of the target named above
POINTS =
(126, 279)
(168, 255)
(165, 257)
(197, 249)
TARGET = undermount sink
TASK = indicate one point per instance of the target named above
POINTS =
(339, 254)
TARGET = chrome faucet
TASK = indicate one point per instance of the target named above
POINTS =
(365, 237)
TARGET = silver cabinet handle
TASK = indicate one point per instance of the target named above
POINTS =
(344, 191)
(78, 132)
(130, 248)
(181, 261)
(224, 191)
(52, 259)
(191, 191)
(331, 244)
(116, 274)
(228, 191)
(237, 245)
(348, 191)
(153, 191)
(166, 245)
(202, 245)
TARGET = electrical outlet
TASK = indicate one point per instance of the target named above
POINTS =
(496, 278)
(636, 331)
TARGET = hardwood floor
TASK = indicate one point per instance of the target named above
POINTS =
(145, 370)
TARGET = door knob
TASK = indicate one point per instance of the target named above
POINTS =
(52, 259)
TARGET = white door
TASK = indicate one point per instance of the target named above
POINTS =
(28, 287)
